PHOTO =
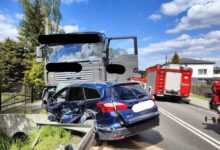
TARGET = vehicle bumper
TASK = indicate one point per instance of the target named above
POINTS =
(109, 134)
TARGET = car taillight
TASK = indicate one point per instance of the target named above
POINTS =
(109, 106)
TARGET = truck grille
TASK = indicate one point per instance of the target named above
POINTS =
(83, 76)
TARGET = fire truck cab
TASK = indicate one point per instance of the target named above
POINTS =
(169, 80)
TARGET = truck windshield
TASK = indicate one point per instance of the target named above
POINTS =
(74, 52)
(127, 92)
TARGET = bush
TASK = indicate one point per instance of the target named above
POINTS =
(35, 76)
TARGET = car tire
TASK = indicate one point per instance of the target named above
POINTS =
(97, 142)
(88, 122)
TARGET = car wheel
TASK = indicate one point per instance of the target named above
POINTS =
(97, 142)
(88, 122)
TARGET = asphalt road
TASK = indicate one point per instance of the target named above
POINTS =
(182, 127)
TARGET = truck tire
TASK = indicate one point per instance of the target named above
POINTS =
(44, 105)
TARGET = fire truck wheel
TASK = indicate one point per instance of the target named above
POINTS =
(213, 119)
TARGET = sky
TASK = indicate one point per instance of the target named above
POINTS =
(189, 27)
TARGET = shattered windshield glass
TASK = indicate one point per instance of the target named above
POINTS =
(74, 52)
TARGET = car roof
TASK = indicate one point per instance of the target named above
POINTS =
(100, 85)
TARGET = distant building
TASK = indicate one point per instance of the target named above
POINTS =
(216, 72)
(203, 71)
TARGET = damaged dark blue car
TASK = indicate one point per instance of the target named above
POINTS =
(118, 110)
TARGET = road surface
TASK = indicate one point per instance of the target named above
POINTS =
(182, 127)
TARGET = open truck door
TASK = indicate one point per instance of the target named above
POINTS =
(123, 51)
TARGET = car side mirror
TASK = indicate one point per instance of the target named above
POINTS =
(39, 56)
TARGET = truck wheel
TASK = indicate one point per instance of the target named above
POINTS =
(213, 119)
(44, 104)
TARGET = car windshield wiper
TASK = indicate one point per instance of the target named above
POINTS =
(141, 95)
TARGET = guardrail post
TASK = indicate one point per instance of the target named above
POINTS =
(32, 94)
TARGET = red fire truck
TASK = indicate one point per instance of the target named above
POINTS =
(140, 80)
(166, 81)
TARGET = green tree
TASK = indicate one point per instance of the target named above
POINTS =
(37, 13)
(11, 66)
(32, 25)
(52, 16)
(175, 59)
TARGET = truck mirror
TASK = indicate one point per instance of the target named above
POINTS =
(115, 68)
(39, 55)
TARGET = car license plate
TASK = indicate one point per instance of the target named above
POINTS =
(143, 106)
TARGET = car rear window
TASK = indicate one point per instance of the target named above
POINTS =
(127, 92)
(91, 93)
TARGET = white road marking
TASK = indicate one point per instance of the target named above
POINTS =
(197, 132)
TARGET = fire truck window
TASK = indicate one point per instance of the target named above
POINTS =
(75, 94)
(91, 93)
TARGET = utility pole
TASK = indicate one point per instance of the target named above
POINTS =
(46, 25)
(166, 58)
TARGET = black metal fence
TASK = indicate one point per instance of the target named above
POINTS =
(19, 96)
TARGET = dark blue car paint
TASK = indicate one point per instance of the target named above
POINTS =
(109, 122)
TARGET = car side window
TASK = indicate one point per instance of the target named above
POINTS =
(91, 93)
(75, 94)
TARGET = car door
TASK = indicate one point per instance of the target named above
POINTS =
(75, 98)
(92, 96)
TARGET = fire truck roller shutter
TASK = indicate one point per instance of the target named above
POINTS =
(173, 82)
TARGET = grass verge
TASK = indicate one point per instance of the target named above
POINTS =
(198, 96)
(5, 141)
(50, 139)
(7, 95)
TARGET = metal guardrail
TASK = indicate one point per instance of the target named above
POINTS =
(87, 140)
